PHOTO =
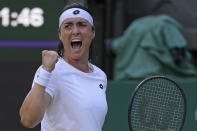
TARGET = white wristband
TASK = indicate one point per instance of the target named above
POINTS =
(43, 77)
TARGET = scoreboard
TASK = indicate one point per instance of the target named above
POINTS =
(27, 17)
(28, 26)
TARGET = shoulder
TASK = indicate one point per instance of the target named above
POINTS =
(98, 71)
(100, 76)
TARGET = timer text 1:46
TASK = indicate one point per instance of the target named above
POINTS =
(27, 17)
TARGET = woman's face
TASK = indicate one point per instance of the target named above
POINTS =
(76, 35)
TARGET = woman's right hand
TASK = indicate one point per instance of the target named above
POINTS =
(49, 59)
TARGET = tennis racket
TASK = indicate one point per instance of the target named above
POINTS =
(157, 104)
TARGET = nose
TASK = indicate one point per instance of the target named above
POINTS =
(75, 30)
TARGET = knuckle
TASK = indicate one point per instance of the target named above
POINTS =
(44, 51)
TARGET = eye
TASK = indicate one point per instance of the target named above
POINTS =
(67, 26)
(82, 24)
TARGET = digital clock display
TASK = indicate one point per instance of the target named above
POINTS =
(27, 17)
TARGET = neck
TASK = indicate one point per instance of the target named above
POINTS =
(79, 64)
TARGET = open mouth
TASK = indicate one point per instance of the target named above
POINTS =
(76, 44)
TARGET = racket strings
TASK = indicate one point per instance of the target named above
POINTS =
(157, 106)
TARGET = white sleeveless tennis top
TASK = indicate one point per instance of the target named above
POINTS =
(78, 99)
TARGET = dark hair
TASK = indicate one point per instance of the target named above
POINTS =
(60, 48)
(75, 5)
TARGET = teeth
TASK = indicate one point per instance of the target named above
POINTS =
(76, 41)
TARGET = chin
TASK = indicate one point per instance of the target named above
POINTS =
(77, 58)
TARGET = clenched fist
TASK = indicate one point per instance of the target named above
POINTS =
(49, 59)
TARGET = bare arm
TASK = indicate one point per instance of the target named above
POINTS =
(37, 100)
(34, 106)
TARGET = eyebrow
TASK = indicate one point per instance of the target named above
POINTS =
(67, 23)
(79, 22)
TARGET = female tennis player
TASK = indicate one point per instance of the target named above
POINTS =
(68, 92)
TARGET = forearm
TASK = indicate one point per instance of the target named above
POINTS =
(34, 105)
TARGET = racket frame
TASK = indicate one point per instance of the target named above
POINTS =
(140, 85)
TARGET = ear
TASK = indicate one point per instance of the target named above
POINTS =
(93, 31)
